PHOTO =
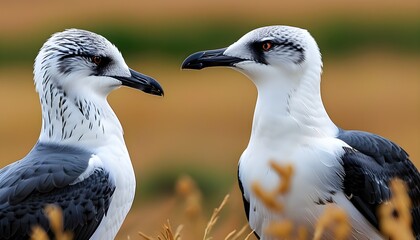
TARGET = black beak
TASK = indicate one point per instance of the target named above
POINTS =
(141, 82)
(210, 58)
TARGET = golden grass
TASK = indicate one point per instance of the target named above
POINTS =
(55, 216)
(166, 234)
(235, 235)
(270, 198)
(397, 228)
(284, 229)
(337, 220)
(334, 218)
(213, 219)
(187, 189)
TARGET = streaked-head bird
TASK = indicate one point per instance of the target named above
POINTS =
(80, 162)
(350, 169)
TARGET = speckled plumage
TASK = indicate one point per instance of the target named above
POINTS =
(80, 161)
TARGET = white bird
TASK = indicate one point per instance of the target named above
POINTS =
(348, 168)
(80, 161)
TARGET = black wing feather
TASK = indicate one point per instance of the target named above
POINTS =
(46, 176)
(369, 166)
(245, 201)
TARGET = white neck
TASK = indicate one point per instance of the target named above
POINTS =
(290, 105)
(85, 119)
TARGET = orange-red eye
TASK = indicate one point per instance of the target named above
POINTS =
(96, 60)
(267, 46)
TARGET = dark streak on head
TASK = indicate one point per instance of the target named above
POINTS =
(290, 49)
(74, 49)
(258, 53)
(68, 63)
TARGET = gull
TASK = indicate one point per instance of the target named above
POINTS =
(80, 161)
(350, 169)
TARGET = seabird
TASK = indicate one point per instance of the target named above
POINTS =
(80, 161)
(351, 169)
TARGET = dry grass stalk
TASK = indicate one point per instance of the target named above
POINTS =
(336, 219)
(55, 216)
(270, 198)
(166, 234)
(249, 235)
(284, 229)
(38, 233)
(285, 173)
(187, 189)
(145, 236)
(236, 235)
(191, 197)
(398, 228)
(213, 219)
(230, 234)
(280, 230)
(302, 233)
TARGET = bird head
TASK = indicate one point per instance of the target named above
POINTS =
(77, 61)
(263, 53)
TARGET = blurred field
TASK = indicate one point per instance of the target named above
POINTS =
(17, 16)
(203, 123)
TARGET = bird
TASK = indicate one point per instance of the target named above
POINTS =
(348, 168)
(80, 162)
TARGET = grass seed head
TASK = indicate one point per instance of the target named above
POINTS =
(397, 228)
(55, 216)
(336, 219)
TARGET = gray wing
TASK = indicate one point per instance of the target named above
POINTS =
(46, 176)
(369, 166)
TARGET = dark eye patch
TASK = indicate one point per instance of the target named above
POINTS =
(291, 50)
(102, 65)
(100, 61)
(70, 62)
(258, 51)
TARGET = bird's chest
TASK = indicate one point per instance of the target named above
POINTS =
(117, 161)
(315, 179)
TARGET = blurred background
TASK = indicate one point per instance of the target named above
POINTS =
(371, 82)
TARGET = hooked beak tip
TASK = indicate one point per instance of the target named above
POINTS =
(192, 61)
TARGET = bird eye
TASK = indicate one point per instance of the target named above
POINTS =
(96, 60)
(266, 46)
